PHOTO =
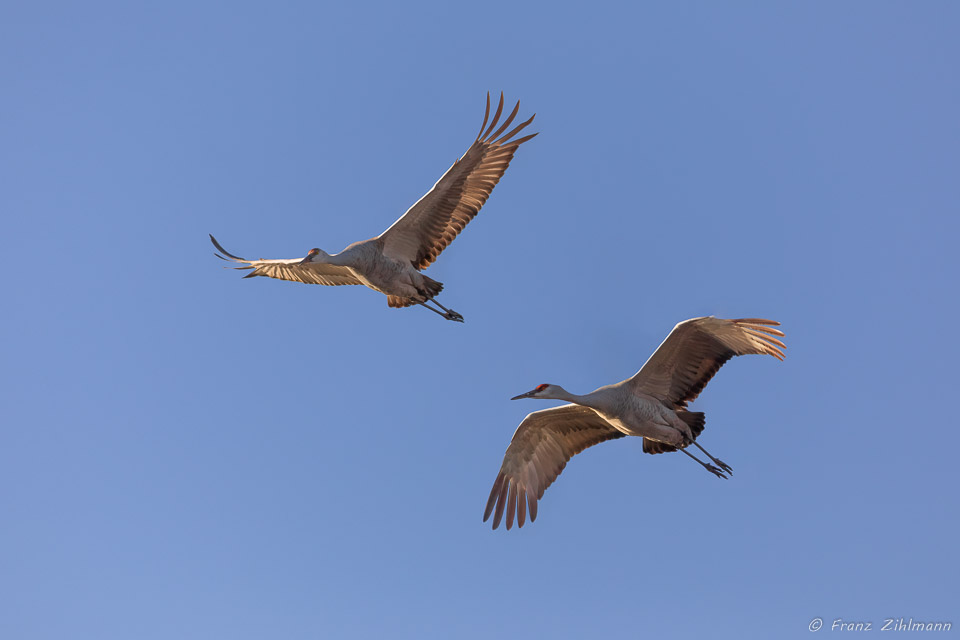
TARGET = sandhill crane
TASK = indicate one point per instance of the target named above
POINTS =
(391, 262)
(652, 404)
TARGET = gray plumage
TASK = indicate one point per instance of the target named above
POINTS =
(652, 405)
(391, 262)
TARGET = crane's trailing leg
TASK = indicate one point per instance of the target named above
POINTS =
(429, 290)
(451, 314)
(446, 313)
(709, 467)
(720, 463)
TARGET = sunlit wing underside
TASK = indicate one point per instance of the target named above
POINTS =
(294, 269)
(431, 224)
(695, 350)
(538, 452)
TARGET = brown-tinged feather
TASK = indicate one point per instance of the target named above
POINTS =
(538, 453)
(511, 503)
(293, 270)
(496, 116)
(506, 123)
(695, 350)
(486, 114)
(430, 225)
(494, 493)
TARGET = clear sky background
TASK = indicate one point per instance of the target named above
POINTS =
(185, 454)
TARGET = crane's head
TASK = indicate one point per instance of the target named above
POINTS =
(313, 253)
(542, 391)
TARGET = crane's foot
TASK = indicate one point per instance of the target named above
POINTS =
(706, 465)
(715, 471)
(449, 314)
(723, 465)
(720, 463)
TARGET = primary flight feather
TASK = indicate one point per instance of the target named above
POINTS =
(391, 263)
(652, 404)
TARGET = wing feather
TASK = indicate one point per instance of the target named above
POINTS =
(294, 269)
(695, 350)
(540, 449)
(430, 225)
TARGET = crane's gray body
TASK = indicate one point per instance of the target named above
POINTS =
(378, 271)
(391, 262)
(630, 412)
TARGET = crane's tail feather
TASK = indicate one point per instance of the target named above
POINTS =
(398, 302)
(696, 420)
(431, 288)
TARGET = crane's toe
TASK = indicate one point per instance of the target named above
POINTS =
(726, 468)
(453, 315)
(715, 471)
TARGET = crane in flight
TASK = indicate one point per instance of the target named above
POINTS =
(652, 404)
(391, 263)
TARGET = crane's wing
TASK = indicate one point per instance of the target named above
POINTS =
(695, 350)
(539, 451)
(294, 269)
(435, 220)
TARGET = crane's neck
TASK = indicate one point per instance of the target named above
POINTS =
(322, 257)
(594, 400)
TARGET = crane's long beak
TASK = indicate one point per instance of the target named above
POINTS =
(528, 394)
(305, 260)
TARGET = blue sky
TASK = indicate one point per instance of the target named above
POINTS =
(187, 454)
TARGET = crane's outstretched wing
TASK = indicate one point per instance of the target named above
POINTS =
(294, 270)
(435, 220)
(695, 350)
(539, 451)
